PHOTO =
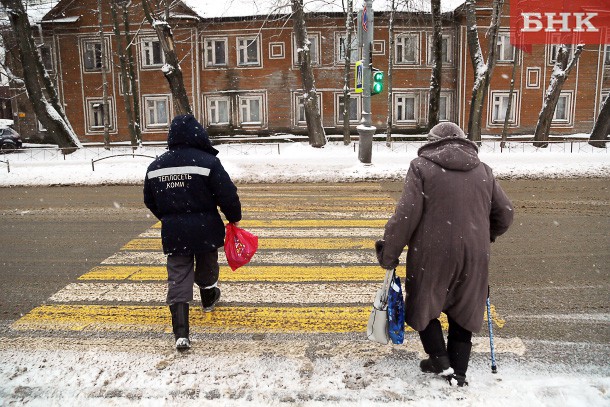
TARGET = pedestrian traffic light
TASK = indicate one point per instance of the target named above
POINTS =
(377, 86)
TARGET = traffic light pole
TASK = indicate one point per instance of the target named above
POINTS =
(366, 130)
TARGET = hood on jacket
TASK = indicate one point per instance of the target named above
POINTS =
(449, 148)
(185, 130)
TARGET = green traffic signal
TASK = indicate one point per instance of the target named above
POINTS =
(377, 82)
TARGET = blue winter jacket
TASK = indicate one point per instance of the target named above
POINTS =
(184, 188)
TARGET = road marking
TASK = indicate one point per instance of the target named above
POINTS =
(247, 273)
(358, 257)
(298, 232)
(313, 223)
(275, 243)
(140, 318)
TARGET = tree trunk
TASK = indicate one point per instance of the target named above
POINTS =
(131, 68)
(601, 129)
(390, 113)
(317, 137)
(510, 97)
(49, 112)
(437, 64)
(347, 139)
(482, 70)
(561, 70)
(171, 69)
(105, 65)
(134, 133)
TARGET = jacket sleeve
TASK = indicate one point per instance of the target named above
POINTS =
(149, 198)
(403, 222)
(501, 214)
(225, 193)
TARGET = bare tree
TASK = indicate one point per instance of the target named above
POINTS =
(157, 14)
(389, 124)
(437, 63)
(105, 65)
(482, 69)
(316, 134)
(563, 65)
(510, 97)
(347, 47)
(126, 64)
(601, 129)
(39, 86)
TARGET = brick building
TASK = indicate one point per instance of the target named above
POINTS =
(241, 73)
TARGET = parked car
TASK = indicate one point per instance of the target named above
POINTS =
(10, 140)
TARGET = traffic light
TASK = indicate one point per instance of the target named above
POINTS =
(377, 85)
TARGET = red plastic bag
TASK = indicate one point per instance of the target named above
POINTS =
(240, 246)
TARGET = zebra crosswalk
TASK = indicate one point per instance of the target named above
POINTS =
(315, 272)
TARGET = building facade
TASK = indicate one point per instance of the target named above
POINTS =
(242, 76)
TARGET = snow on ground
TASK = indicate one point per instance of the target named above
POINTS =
(288, 371)
(297, 162)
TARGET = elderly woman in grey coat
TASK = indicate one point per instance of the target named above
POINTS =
(450, 210)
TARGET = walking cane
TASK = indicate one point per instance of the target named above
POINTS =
(494, 368)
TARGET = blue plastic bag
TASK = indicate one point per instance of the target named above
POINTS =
(396, 312)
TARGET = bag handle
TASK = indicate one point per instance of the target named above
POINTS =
(389, 276)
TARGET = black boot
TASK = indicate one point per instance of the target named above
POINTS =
(459, 356)
(434, 344)
(209, 298)
(180, 324)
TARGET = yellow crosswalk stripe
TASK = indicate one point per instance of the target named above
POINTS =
(321, 319)
(275, 243)
(314, 223)
(247, 273)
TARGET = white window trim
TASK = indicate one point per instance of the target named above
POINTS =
(415, 96)
(449, 60)
(505, 34)
(144, 48)
(83, 50)
(549, 50)
(89, 103)
(213, 64)
(318, 55)
(514, 111)
(238, 48)
(569, 110)
(208, 107)
(354, 97)
(296, 105)
(280, 46)
(606, 51)
(156, 126)
(448, 106)
(247, 97)
(529, 84)
(417, 49)
(343, 36)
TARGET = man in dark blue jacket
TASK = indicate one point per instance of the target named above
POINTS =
(184, 188)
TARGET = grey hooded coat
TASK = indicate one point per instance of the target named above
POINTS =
(450, 210)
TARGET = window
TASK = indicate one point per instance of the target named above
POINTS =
(342, 48)
(563, 108)
(407, 49)
(47, 60)
(218, 110)
(554, 51)
(446, 50)
(406, 107)
(504, 49)
(250, 109)
(444, 108)
(95, 115)
(156, 111)
(300, 108)
(313, 41)
(92, 56)
(607, 56)
(499, 106)
(354, 108)
(152, 54)
(248, 51)
(215, 52)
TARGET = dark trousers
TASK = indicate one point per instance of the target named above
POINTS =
(185, 270)
(432, 337)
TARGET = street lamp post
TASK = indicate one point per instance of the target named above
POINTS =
(366, 130)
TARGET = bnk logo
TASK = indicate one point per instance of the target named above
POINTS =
(559, 22)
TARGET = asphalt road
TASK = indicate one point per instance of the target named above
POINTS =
(550, 273)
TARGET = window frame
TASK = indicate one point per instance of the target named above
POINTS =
(448, 96)
(149, 50)
(209, 46)
(209, 100)
(297, 97)
(398, 56)
(156, 97)
(339, 108)
(396, 104)
(315, 57)
(568, 109)
(502, 45)
(448, 55)
(249, 98)
(90, 114)
(85, 43)
(249, 39)
(495, 121)
(340, 39)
